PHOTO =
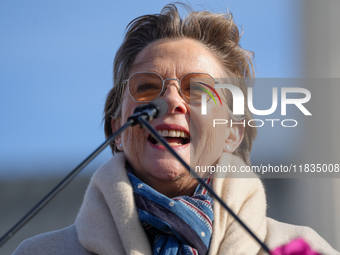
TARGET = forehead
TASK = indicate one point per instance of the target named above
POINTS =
(177, 58)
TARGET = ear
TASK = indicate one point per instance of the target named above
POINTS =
(115, 125)
(234, 137)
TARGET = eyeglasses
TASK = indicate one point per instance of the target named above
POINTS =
(148, 86)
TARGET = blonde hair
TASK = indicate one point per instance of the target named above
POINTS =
(217, 32)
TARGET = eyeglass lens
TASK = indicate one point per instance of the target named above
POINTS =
(148, 86)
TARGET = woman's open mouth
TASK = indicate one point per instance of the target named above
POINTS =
(173, 137)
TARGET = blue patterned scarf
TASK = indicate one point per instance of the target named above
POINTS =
(177, 226)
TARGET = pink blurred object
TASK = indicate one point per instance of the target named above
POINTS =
(295, 247)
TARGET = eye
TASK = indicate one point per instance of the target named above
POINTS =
(196, 89)
(147, 87)
(191, 87)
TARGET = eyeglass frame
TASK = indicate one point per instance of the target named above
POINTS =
(126, 81)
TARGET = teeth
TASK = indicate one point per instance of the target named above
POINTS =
(174, 144)
(172, 133)
(171, 144)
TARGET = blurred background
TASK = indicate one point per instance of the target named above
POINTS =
(56, 69)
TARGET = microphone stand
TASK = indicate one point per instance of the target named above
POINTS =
(160, 139)
(154, 109)
(141, 117)
(62, 184)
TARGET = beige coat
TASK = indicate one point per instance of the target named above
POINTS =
(108, 221)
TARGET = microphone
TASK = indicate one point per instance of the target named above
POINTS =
(153, 110)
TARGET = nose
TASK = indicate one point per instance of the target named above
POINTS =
(176, 104)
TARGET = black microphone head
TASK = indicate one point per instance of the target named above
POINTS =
(161, 106)
(141, 107)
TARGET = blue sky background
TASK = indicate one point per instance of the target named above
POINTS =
(56, 69)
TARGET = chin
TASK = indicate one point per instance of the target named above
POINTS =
(170, 172)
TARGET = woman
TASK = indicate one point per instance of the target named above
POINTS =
(143, 201)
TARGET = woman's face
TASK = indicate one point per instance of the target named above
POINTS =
(151, 162)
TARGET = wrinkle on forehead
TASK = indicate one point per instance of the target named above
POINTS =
(138, 62)
(153, 58)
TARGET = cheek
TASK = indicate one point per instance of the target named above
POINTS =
(132, 136)
(208, 141)
(203, 125)
(202, 132)
(133, 141)
(220, 130)
(128, 106)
